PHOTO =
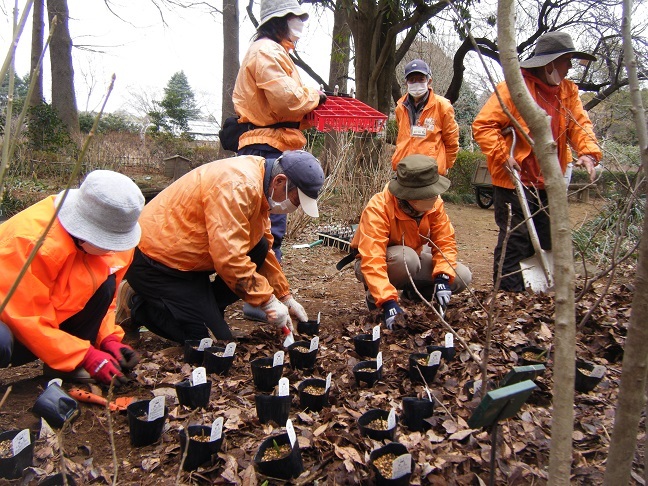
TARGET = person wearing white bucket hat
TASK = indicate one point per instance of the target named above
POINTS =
(545, 77)
(63, 309)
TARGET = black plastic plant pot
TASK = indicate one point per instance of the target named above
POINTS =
(532, 355)
(264, 375)
(144, 432)
(310, 328)
(12, 467)
(272, 407)
(362, 373)
(428, 372)
(365, 346)
(286, 467)
(56, 406)
(300, 356)
(397, 449)
(446, 353)
(415, 411)
(215, 362)
(201, 449)
(57, 480)
(196, 396)
(313, 401)
(585, 380)
(191, 353)
(365, 424)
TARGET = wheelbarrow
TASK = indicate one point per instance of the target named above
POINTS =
(483, 185)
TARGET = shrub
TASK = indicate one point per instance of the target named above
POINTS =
(461, 176)
(46, 131)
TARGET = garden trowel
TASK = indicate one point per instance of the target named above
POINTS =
(119, 404)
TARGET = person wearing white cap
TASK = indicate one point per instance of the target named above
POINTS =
(425, 120)
(63, 309)
(215, 219)
(545, 77)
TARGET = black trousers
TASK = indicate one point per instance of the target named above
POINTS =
(519, 245)
(181, 305)
(84, 324)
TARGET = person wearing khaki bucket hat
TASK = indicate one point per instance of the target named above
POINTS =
(545, 76)
(63, 309)
(395, 231)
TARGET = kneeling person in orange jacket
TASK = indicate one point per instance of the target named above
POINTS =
(393, 233)
(215, 220)
(63, 309)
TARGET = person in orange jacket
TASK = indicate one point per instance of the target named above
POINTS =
(426, 121)
(270, 95)
(215, 220)
(545, 76)
(406, 225)
(63, 309)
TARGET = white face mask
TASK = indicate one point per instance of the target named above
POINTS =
(90, 249)
(295, 28)
(284, 207)
(423, 205)
(417, 89)
(554, 77)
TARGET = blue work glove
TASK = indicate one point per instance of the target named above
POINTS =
(391, 310)
(442, 291)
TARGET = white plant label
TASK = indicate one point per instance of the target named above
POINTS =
(449, 340)
(379, 360)
(292, 437)
(401, 466)
(391, 419)
(290, 339)
(314, 344)
(375, 334)
(58, 381)
(284, 387)
(434, 359)
(319, 314)
(278, 359)
(199, 376)
(598, 371)
(205, 343)
(216, 430)
(229, 350)
(20, 441)
(156, 408)
(328, 382)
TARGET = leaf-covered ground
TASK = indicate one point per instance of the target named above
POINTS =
(332, 448)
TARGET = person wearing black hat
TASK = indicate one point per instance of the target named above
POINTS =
(425, 120)
(406, 225)
(545, 76)
(206, 244)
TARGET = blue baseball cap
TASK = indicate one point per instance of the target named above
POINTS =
(417, 66)
(305, 171)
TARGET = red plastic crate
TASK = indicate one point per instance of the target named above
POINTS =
(341, 114)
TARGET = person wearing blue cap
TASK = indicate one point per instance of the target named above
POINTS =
(206, 243)
(425, 120)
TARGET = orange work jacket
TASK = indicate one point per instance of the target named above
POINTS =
(58, 284)
(209, 219)
(575, 131)
(441, 137)
(384, 224)
(268, 90)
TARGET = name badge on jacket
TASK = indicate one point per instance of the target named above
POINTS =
(419, 132)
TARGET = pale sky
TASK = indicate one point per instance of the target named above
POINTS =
(143, 53)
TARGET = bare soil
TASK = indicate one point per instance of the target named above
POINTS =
(332, 448)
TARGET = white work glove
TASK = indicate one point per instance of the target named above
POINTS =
(277, 314)
(295, 308)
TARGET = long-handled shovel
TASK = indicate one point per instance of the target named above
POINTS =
(537, 270)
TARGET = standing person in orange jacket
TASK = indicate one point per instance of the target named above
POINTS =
(545, 76)
(270, 92)
(393, 233)
(63, 310)
(426, 121)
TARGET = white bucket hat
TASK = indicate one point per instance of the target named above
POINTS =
(550, 47)
(103, 211)
(280, 8)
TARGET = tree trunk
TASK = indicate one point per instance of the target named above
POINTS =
(230, 59)
(546, 152)
(633, 379)
(63, 96)
(38, 29)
